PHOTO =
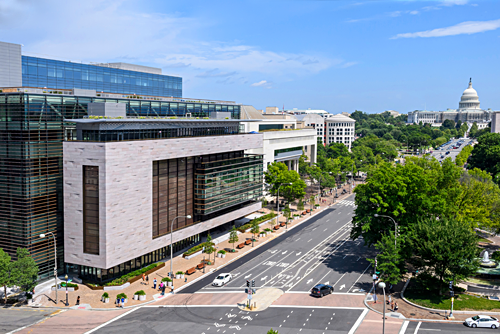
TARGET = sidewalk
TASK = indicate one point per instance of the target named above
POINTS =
(92, 298)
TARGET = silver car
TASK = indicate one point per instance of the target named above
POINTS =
(482, 321)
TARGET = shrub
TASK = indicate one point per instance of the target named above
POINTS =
(222, 251)
(166, 279)
(179, 273)
(124, 279)
(70, 285)
(268, 230)
(121, 295)
(197, 248)
(140, 293)
(258, 220)
(105, 295)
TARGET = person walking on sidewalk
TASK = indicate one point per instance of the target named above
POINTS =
(147, 279)
(143, 279)
(154, 283)
(123, 301)
(78, 300)
(396, 307)
(392, 306)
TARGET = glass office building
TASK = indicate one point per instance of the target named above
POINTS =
(31, 136)
(56, 74)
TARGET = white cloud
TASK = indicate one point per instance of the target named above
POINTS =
(414, 12)
(260, 83)
(454, 2)
(469, 27)
(123, 30)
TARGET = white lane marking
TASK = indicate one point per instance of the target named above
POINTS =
(403, 327)
(339, 279)
(325, 229)
(309, 240)
(298, 253)
(359, 277)
(327, 220)
(263, 278)
(418, 326)
(247, 276)
(358, 322)
(344, 256)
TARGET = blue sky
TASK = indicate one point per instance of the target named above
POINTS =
(333, 55)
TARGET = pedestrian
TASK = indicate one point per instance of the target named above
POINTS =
(147, 279)
(389, 300)
(185, 279)
(161, 285)
(143, 278)
(154, 283)
(123, 301)
(392, 305)
(396, 307)
(375, 298)
(78, 300)
(162, 290)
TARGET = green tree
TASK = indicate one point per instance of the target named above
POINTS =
(463, 155)
(255, 228)
(233, 236)
(287, 213)
(209, 247)
(278, 175)
(300, 205)
(390, 264)
(447, 247)
(24, 270)
(272, 331)
(486, 153)
(303, 165)
(6, 277)
(448, 124)
(336, 150)
(473, 129)
(312, 201)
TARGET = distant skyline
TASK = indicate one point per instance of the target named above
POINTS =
(333, 55)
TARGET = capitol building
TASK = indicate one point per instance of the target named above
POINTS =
(469, 111)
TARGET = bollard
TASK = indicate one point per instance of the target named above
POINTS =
(255, 305)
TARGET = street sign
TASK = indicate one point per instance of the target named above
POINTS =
(375, 277)
(69, 281)
(249, 296)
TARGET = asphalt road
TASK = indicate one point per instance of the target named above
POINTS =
(317, 251)
(442, 328)
(12, 318)
(453, 153)
(205, 320)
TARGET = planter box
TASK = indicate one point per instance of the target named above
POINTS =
(193, 255)
(177, 276)
(106, 300)
(116, 287)
(182, 275)
(223, 255)
(169, 283)
(136, 297)
(142, 298)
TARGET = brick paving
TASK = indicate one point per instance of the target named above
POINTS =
(93, 297)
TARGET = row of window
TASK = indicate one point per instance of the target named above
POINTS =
(340, 131)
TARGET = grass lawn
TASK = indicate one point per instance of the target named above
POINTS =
(462, 302)
(483, 281)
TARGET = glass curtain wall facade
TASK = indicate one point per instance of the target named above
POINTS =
(55, 74)
(31, 198)
(91, 210)
(227, 180)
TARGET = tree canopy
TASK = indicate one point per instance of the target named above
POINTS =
(279, 177)
(486, 155)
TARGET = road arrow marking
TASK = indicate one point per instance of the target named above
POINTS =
(284, 253)
(327, 283)
(274, 251)
(309, 281)
(247, 317)
(342, 286)
(234, 275)
(263, 278)
(231, 315)
(237, 327)
(221, 325)
(247, 276)
(298, 253)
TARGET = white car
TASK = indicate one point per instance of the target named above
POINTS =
(222, 279)
(482, 321)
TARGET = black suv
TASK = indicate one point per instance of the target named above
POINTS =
(321, 289)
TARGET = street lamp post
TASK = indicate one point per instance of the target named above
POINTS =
(172, 247)
(66, 278)
(395, 230)
(278, 203)
(382, 286)
(55, 258)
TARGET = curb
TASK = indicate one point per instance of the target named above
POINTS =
(193, 281)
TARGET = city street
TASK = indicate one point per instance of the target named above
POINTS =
(14, 318)
(221, 320)
(415, 327)
(318, 251)
(453, 152)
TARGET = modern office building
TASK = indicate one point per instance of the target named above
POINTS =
(340, 129)
(18, 70)
(469, 111)
(495, 122)
(126, 180)
(316, 121)
(32, 116)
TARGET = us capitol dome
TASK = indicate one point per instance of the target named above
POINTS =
(469, 111)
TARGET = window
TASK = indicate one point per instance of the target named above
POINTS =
(91, 210)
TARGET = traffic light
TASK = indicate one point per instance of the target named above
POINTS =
(451, 285)
(248, 284)
(253, 283)
(246, 290)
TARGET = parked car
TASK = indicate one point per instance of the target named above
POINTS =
(448, 152)
(321, 289)
(222, 279)
(482, 321)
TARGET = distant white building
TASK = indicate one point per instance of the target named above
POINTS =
(296, 111)
(340, 129)
(469, 111)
